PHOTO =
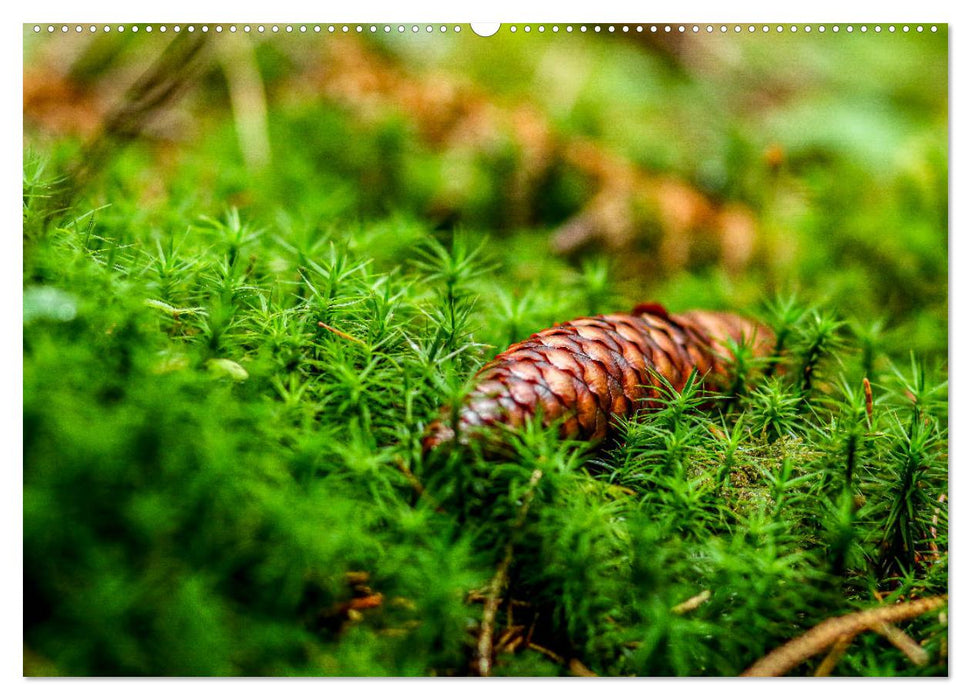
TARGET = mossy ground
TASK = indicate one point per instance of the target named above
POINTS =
(228, 372)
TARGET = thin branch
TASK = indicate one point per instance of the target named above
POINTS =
(578, 668)
(551, 655)
(900, 639)
(167, 79)
(935, 552)
(835, 654)
(496, 586)
(825, 634)
(484, 649)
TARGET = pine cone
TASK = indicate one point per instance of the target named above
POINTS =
(589, 371)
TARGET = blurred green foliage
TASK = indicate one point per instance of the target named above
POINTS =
(206, 466)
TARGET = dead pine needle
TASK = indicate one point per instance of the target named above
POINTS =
(868, 396)
(827, 633)
(342, 334)
(416, 484)
(691, 603)
(551, 655)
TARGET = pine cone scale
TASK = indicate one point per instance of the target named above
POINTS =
(565, 361)
(664, 354)
(526, 371)
(595, 376)
(524, 393)
(560, 383)
(671, 345)
(586, 407)
(597, 334)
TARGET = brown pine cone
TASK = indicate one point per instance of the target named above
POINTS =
(589, 371)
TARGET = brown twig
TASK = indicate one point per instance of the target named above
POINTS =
(167, 79)
(532, 628)
(937, 511)
(578, 668)
(551, 655)
(900, 639)
(835, 654)
(498, 582)
(479, 596)
(484, 649)
(825, 634)
(511, 639)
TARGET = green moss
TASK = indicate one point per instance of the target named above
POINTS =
(223, 406)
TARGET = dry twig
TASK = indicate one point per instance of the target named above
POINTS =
(551, 655)
(900, 639)
(484, 649)
(835, 654)
(935, 552)
(825, 634)
(577, 668)
(167, 79)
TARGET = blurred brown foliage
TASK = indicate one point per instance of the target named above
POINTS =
(650, 218)
(646, 220)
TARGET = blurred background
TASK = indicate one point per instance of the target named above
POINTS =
(699, 169)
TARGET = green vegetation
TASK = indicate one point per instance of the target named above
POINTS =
(229, 368)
